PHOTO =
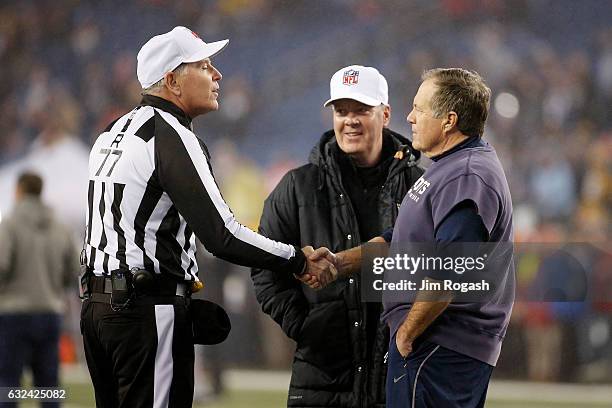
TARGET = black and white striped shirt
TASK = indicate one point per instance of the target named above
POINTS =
(152, 191)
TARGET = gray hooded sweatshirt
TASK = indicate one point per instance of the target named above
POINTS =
(38, 259)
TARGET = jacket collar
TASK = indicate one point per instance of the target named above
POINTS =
(322, 154)
(471, 141)
(345, 161)
(167, 106)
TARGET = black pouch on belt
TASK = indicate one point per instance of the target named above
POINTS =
(210, 322)
(121, 292)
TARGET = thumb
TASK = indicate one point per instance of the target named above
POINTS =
(308, 250)
(325, 253)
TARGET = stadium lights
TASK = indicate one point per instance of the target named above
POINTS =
(507, 105)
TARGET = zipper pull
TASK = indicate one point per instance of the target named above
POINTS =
(386, 357)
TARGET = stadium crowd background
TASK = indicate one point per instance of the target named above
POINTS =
(69, 69)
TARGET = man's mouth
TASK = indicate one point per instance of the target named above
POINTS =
(353, 134)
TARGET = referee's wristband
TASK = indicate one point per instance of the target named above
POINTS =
(298, 262)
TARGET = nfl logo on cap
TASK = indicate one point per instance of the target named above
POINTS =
(362, 84)
(350, 77)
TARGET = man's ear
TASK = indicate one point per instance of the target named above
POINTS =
(386, 115)
(450, 123)
(172, 83)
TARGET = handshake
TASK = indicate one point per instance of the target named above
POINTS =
(321, 267)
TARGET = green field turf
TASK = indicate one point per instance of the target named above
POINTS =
(81, 396)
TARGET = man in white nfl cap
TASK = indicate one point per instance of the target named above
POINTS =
(151, 193)
(356, 178)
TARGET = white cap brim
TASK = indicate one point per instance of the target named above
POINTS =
(356, 97)
(208, 51)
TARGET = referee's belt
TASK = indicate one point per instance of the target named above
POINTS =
(163, 287)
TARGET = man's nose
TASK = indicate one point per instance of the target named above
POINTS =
(217, 75)
(410, 117)
(351, 120)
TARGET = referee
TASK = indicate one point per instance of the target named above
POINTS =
(151, 192)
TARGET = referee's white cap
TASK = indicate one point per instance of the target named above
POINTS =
(165, 52)
(363, 84)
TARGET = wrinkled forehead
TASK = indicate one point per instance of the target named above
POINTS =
(426, 92)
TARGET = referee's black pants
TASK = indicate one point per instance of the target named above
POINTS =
(140, 357)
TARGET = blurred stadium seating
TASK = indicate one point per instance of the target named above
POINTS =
(69, 68)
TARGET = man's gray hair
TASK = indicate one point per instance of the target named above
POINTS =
(463, 92)
(156, 87)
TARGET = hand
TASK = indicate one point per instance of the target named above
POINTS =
(324, 264)
(306, 277)
(324, 253)
(403, 343)
(320, 268)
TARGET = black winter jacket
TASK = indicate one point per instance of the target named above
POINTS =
(333, 366)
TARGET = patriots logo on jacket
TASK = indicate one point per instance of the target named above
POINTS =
(417, 190)
(350, 77)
